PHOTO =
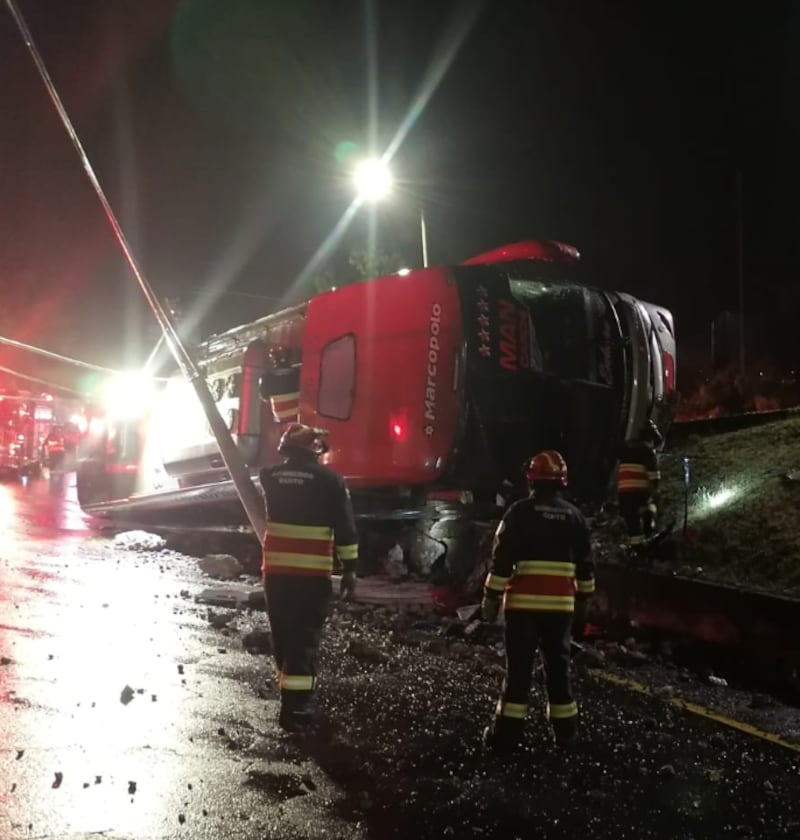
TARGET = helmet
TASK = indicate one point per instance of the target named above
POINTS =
(298, 436)
(547, 466)
(650, 432)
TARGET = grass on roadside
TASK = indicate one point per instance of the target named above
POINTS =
(742, 512)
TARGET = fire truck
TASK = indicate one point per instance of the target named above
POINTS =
(435, 384)
(26, 419)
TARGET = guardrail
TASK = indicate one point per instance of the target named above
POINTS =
(756, 625)
(728, 423)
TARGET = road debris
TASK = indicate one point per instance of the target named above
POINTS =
(221, 566)
(139, 541)
(257, 642)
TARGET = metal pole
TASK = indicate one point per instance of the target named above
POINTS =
(248, 494)
(424, 232)
(713, 348)
(740, 263)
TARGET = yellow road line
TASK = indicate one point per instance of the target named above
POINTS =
(696, 709)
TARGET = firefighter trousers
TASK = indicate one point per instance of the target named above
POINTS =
(639, 512)
(297, 606)
(526, 632)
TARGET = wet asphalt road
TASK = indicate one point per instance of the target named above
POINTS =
(123, 713)
(127, 710)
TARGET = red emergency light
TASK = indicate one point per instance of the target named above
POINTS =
(398, 429)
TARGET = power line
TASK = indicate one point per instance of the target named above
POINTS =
(57, 356)
(66, 359)
(51, 385)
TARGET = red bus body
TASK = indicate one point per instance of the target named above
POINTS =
(435, 384)
(381, 372)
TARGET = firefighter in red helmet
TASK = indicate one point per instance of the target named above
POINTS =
(309, 514)
(542, 574)
(280, 386)
(638, 477)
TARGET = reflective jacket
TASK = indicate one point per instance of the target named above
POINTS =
(542, 556)
(308, 513)
(638, 468)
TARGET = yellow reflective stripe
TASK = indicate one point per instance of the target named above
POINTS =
(562, 603)
(559, 711)
(545, 567)
(518, 711)
(496, 583)
(291, 682)
(654, 475)
(627, 466)
(285, 413)
(347, 552)
(305, 532)
(298, 561)
(633, 484)
(636, 540)
(295, 395)
(586, 586)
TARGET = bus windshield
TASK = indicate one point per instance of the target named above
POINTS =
(569, 330)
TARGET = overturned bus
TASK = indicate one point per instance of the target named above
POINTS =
(436, 385)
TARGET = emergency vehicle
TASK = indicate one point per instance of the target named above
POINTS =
(26, 420)
(436, 385)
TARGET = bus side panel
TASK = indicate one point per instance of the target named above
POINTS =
(381, 372)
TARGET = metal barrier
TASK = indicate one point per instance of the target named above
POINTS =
(756, 625)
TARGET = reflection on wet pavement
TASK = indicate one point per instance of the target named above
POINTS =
(116, 697)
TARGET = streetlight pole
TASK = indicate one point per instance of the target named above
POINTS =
(373, 182)
(740, 265)
(423, 229)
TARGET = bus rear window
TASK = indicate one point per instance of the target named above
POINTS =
(337, 378)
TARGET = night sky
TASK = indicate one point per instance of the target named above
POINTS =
(220, 131)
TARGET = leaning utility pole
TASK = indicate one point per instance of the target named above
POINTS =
(245, 488)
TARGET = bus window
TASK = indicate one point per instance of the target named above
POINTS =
(337, 378)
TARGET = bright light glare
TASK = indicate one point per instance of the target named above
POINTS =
(404, 271)
(720, 498)
(128, 395)
(708, 502)
(373, 179)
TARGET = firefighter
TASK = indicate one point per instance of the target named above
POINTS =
(637, 481)
(542, 566)
(55, 448)
(280, 385)
(308, 513)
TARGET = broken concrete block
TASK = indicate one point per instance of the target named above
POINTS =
(139, 541)
(220, 566)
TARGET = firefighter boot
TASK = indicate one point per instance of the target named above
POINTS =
(503, 736)
(564, 731)
(295, 720)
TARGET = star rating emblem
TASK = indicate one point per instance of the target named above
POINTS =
(482, 291)
(483, 305)
(483, 321)
(485, 350)
(484, 336)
